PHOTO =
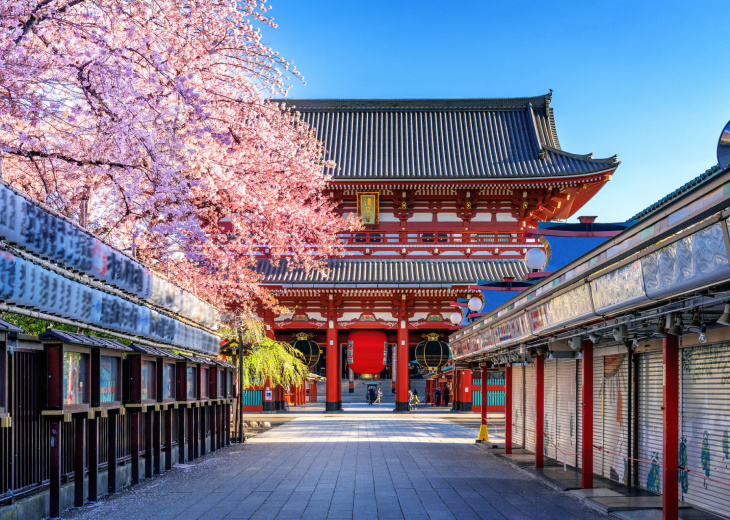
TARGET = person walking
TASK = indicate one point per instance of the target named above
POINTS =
(446, 396)
(410, 400)
(378, 396)
(437, 397)
(415, 400)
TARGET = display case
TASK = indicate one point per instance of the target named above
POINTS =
(188, 379)
(150, 374)
(83, 372)
(7, 331)
(221, 381)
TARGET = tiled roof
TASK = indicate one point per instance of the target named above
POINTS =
(697, 181)
(6, 326)
(75, 338)
(443, 139)
(363, 272)
(154, 351)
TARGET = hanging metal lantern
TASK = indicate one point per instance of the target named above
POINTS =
(432, 353)
(308, 348)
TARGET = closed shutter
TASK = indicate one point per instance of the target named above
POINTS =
(518, 405)
(705, 432)
(650, 420)
(579, 411)
(615, 419)
(598, 455)
(566, 430)
(550, 409)
(530, 407)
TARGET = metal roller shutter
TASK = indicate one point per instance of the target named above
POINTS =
(551, 367)
(705, 426)
(650, 420)
(579, 410)
(530, 407)
(615, 416)
(518, 405)
(566, 414)
(598, 455)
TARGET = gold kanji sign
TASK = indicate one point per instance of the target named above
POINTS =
(367, 207)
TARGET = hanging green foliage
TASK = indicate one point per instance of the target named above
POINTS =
(267, 359)
(35, 326)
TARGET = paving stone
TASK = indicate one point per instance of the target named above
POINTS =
(343, 466)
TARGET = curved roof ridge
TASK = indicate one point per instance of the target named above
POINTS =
(583, 157)
(513, 103)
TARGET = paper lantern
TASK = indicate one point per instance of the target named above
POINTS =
(368, 351)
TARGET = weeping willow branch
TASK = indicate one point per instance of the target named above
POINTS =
(266, 358)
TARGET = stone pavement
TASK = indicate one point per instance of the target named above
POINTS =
(345, 466)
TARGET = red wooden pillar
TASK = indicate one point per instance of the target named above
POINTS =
(93, 436)
(333, 361)
(401, 388)
(539, 409)
(394, 368)
(507, 408)
(670, 397)
(112, 451)
(168, 438)
(148, 427)
(134, 441)
(55, 470)
(483, 430)
(157, 442)
(587, 416)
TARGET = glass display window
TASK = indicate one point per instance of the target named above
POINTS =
(190, 383)
(149, 380)
(109, 374)
(229, 383)
(221, 383)
(168, 381)
(75, 389)
(204, 382)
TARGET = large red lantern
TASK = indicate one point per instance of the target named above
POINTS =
(368, 351)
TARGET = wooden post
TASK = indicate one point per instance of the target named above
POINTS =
(55, 470)
(203, 429)
(157, 442)
(539, 409)
(93, 436)
(670, 397)
(168, 438)
(227, 422)
(181, 435)
(79, 459)
(112, 452)
(587, 416)
(507, 408)
(148, 427)
(196, 432)
(134, 438)
(192, 449)
(212, 413)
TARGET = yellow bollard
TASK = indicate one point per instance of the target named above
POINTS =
(483, 434)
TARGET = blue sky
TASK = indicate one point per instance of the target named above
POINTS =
(648, 80)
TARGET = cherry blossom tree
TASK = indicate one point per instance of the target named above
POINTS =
(149, 121)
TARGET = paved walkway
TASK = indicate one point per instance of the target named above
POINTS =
(342, 466)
